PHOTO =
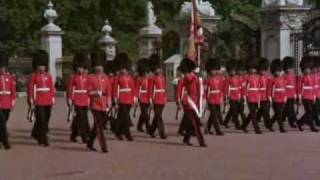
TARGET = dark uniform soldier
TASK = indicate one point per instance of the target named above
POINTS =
(77, 96)
(291, 91)
(158, 96)
(194, 92)
(215, 92)
(277, 92)
(7, 98)
(41, 95)
(99, 91)
(142, 87)
(264, 110)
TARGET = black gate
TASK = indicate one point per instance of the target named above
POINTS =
(311, 37)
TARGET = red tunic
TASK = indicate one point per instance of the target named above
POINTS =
(252, 88)
(277, 89)
(215, 90)
(291, 86)
(264, 81)
(306, 87)
(99, 83)
(317, 84)
(77, 90)
(158, 90)
(233, 89)
(124, 89)
(41, 91)
(142, 88)
(7, 91)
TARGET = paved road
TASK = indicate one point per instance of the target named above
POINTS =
(271, 156)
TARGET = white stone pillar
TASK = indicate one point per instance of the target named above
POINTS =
(108, 43)
(51, 41)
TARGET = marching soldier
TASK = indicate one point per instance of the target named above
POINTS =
(143, 96)
(252, 92)
(158, 96)
(7, 99)
(316, 74)
(41, 96)
(277, 94)
(110, 116)
(125, 96)
(264, 110)
(193, 110)
(233, 93)
(77, 98)
(291, 91)
(99, 91)
(306, 93)
(181, 101)
(215, 87)
(243, 75)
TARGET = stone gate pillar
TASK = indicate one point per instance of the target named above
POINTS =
(108, 43)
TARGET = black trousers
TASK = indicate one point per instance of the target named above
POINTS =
(4, 116)
(289, 112)
(192, 126)
(157, 122)
(144, 118)
(316, 111)
(307, 117)
(215, 117)
(123, 121)
(278, 109)
(264, 112)
(80, 124)
(233, 113)
(252, 117)
(241, 110)
(181, 129)
(97, 130)
(41, 125)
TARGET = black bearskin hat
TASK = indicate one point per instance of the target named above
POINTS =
(212, 64)
(276, 65)
(4, 59)
(232, 65)
(155, 62)
(306, 63)
(288, 63)
(187, 65)
(80, 59)
(40, 58)
(122, 61)
(316, 61)
(252, 63)
(98, 58)
(143, 66)
(263, 64)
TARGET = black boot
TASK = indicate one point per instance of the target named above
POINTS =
(186, 140)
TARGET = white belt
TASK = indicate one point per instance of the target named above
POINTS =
(125, 90)
(279, 89)
(43, 89)
(5, 93)
(214, 91)
(234, 88)
(159, 90)
(316, 86)
(290, 87)
(263, 89)
(308, 87)
(253, 89)
(143, 91)
(80, 91)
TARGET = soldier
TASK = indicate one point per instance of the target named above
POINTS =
(264, 110)
(99, 91)
(7, 98)
(277, 94)
(125, 96)
(233, 93)
(316, 74)
(306, 93)
(41, 96)
(291, 91)
(158, 96)
(77, 98)
(142, 87)
(215, 87)
(110, 72)
(243, 75)
(193, 110)
(181, 101)
(252, 93)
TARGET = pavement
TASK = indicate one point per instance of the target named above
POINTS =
(235, 156)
